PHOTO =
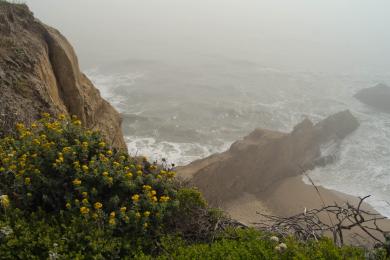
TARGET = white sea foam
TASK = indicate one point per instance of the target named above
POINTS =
(177, 153)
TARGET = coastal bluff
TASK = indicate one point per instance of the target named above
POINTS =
(39, 72)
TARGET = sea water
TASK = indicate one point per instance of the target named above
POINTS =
(184, 112)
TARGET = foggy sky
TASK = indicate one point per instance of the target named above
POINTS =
(313, 35)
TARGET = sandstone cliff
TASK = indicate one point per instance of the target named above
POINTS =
(39, 72)
(265, 157)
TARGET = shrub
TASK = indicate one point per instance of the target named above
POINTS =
(253, 244)
(55, 165)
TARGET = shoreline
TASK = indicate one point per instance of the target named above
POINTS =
(291, 196)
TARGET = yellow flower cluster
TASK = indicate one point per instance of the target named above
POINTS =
(84, 210)
(135, 198)
(76, 182)
(112, 220)
(98, 205)
(4, 201)
(164, 198)
(62, 150)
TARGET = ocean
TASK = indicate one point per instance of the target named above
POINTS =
(186, 111)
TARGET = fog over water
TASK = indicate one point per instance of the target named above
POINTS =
(190, 77)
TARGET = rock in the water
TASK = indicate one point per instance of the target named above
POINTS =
(378, 97)
(265, 157)
(39, 72)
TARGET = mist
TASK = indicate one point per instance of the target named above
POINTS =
(305, 35)
(191, 77)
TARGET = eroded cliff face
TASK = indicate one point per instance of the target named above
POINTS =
(39, 72)
(265, 157)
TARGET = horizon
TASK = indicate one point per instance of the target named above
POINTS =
(330, 36)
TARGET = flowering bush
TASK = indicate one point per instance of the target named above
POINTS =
(56, 165)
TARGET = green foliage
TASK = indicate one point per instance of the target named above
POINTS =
(190, 199)
(252, 244)
(56, 165)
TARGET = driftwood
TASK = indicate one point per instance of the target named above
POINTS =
(334, 220)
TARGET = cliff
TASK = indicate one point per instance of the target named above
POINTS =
(39, 72)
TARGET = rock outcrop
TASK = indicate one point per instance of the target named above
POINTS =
(264, 157)
(378, 97)
(39, 72)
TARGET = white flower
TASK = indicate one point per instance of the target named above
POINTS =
(274, 239)
(6, 231)
(283, 246)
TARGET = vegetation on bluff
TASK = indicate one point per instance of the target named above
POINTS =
(64, 194)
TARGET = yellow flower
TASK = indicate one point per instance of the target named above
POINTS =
(102, 144)
(77, 122)
(34, 125)
(84, 210)
(4, 201)
(147, 213)
(67, 149)
(112, 214)
(84, 194)
(61, 117)
(76, 182)
(154, 199)
(112, 221)
(85, 168)
(109, 152)
(139, 167)
(84, 144)
(146, 225)
(27, 181)
(68, 206)
(123, 209)
(147, 187)
(98, 205)
(137, 215)
(116, 164)
(164, 198)
(85, 201)
(129, 175)
(45, 115)
(139, 173)
(105, 174)
(135, 198)
(19, 126)
(153, 192)
(2, 169)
